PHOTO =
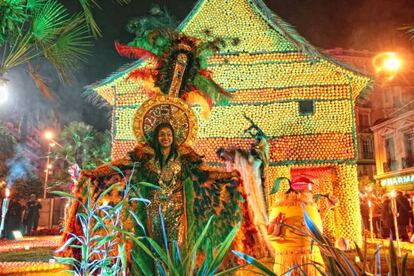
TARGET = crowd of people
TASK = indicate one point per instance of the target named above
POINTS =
(22, 215)
(381, 209)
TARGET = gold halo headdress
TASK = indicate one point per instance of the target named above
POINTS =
(165, 109)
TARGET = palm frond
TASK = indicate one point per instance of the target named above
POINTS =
(33, 5)
(48, 21)
(70, 47)
(87, 6)
(21, 51)
(123, 2)
(40, 82)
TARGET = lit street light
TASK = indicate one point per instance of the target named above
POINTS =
(49, 135)
(388, 64)
(3, 91)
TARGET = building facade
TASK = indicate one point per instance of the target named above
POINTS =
(394, 150)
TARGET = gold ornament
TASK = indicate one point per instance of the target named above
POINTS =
(165, 109)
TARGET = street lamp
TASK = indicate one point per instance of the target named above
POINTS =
(388, 64)
(49, 136)
(3, 91)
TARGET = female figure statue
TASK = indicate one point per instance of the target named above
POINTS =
(189, 192)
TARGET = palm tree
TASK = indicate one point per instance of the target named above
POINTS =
(83, 145)
(45, 28)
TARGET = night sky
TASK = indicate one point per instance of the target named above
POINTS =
(358, 24)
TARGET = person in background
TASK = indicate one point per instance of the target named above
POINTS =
(33, 213)
(13, 221)
(404, 214)
(376, 216)
(387, 223)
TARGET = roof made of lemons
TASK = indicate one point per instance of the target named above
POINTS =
(262, 52)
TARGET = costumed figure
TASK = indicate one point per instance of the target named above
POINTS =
(291, 246)
(189, 192)
(251, 164)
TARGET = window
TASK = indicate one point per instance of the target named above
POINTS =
(394, 97)
(409, 143)
(408, 159)
(306, 107)
(391, 164)
(390, 149)
(367, 148)
(363, 119)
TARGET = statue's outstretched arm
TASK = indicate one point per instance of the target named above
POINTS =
(217, 174)
(92, 183)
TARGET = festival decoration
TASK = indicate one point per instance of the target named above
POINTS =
(33, 268)
(27, 243)
(165, 109)
(269, 70)
(165, 47)
(174, 179)
(290, 246)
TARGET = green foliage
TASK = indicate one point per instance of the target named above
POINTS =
(156, 19)
(254, 262)
(79, 144)
(104, 219)
(183, 261)
(88, 6)
(83, 145)
(12, 16)
(42, 28)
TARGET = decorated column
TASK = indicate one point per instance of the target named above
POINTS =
(347, 214)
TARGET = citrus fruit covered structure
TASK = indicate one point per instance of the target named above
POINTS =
(302, 100)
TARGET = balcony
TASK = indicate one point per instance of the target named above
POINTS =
(390, 166)
(407, 162)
